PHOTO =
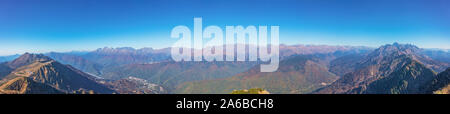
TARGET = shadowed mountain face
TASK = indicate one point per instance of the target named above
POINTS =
(77, 62)
(286, 51)
(8, 58)
(4, 70)
(297, 74)
(389, 69)
(38, 74)
(440, 84)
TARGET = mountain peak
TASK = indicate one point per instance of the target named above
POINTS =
(396, 49)
(400, 47)
(28, 58)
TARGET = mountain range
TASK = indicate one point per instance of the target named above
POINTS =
(318, 69)
(389, 69)
(8, 58)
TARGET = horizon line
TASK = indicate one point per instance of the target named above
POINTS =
(138, 48)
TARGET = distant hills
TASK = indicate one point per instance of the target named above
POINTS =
(251, 91)
(389, 69)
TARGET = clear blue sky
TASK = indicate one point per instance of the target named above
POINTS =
(64, 25)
